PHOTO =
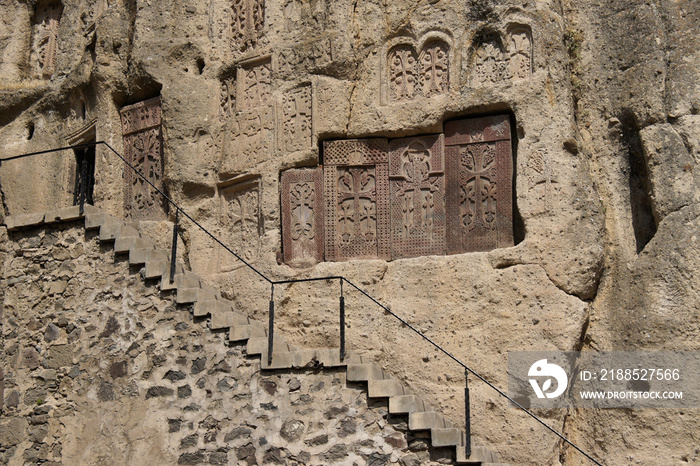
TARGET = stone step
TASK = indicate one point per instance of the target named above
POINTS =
(193, 295)
(15, 222)
(225, 316)
(67, 214)
(112, 231)
(245, 332)
(445, 437)
(165, 284)
(257, 346)
(385, 388)
(480, 455)
(156, 268)
(183, 278)
(142, 256)
(405, 404)
(426, 420)
(364, 372)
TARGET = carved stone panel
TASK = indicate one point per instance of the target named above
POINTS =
(402, 66)
(247, 22)
(143, 148)
(254, 85)
(489, 64)
(520, 52)
(296, 119)
(305, 14)
(251, 139)
(356, 191)
(45, 37)
(306, 57)
(227, 106)
(479, 166)
(435, 68)
(417, 185)
(240, 221)
(302, 216)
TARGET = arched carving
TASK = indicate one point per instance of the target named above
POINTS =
(435, 68)
(489, 64)
(47, 17)
(519, 51)
(402, 72)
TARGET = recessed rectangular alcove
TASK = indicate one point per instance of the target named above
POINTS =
(435, 194)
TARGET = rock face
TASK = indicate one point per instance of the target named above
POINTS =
(232, 109)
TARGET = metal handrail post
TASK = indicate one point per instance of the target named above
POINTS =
(342, 322)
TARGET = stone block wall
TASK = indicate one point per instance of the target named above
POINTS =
(101, 368)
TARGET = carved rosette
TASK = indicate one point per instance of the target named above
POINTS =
(247, 22)
(356, 191)
(296, 114)
(435, 68)
(45, 37)
(403, 74)
(302, 216)
(417, 186)
(479, 167)
(143, 149)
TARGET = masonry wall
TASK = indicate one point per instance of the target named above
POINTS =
(101, 368)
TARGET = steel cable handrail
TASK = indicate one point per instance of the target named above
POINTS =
(342, 279)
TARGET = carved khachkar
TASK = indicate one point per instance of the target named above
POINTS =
(143, 149)
(227, 104)
(520, 50)
(296, 124)
(490, 66)
(417, 185)
(479, 167)
(247, 22)
(403, 73)
(45, 36)
(240, 222)
(302, 216)
(254, 85)
(435, 66)
(356, 191)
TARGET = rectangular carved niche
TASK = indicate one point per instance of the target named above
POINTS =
(302, 216)
(356, 190)
(45, 37)
(417, 185)
(479, 167)
(240, 222)
(143, 148)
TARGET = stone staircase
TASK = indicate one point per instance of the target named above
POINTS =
(207, 301)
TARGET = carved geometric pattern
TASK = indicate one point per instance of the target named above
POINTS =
(417, 185)
(479, 169)
(434, 62)
(247, 21)
(241, 222)
(143, 148)
(302, 216)
(489, 64)
(300, 14)
(296, 113)
(254, 85)
(45, 36)
(356, 191)
(403, 75)
(520, 50)
(306, 57)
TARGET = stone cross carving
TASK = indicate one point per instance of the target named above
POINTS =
(434, 60)
(403, 80)
(45, 36)
(544, 177)
(240, 222)
(356, 191)
(417, 187)
(520, 50)
(247, 22)
(254, 85)
(302, 216)
(489, 64)
(296, 114)
(143, 148)
(479, 184)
